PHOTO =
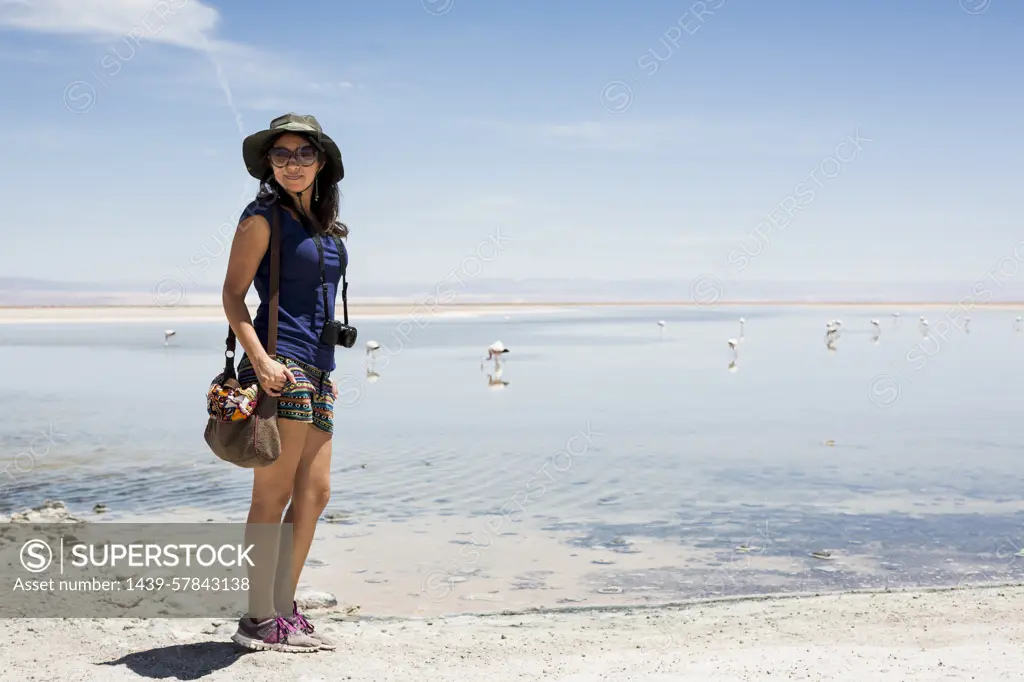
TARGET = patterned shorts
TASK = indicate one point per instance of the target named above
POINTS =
(310, 399)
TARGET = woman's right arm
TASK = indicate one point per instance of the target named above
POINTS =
(248, 247)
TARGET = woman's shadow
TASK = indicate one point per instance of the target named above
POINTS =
(181, 661)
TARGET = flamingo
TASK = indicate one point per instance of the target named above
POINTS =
(496, 350)
(661, 325)
(742, 322)
(923, 326)
(168, 333)
(832, 334)
(878, 331)
(371, 359)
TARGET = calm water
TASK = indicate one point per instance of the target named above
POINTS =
(902, 457)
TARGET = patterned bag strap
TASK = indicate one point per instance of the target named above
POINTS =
(275, 282)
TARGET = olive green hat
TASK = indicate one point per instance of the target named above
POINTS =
(256, 146)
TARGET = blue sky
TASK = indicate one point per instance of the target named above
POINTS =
(461, 118)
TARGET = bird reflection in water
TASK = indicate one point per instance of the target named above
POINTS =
(495, 381)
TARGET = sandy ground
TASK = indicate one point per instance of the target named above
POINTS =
(925, 635)
(200, 313)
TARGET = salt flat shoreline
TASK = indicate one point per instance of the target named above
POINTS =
(212, 313)
(933, 634)
(203, 313)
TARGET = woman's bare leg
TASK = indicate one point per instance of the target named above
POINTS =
(310, 495)
(271, 489)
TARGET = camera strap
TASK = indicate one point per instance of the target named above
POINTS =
(342, 261)
(344, 282)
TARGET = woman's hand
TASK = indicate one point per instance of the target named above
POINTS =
(273, 376)
(334, 389)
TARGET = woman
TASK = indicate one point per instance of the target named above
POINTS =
(299, 168)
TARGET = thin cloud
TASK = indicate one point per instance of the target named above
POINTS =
(331, 86)
(34, 56)
(484, 208)
(591, 130)
(591, 134)
(657, 135)
(701, 240)
(190, 25)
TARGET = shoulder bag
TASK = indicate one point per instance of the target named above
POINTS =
(242, 424)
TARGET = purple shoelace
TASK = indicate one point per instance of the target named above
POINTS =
(284, 628)
(304, 624)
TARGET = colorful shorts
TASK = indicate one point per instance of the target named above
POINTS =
(310, 399)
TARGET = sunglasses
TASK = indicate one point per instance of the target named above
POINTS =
(281, 157)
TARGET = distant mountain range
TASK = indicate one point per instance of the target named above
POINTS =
(16, 291)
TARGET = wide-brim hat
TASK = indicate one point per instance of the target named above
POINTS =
(256, 146)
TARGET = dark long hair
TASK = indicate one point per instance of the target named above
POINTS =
(325, 203)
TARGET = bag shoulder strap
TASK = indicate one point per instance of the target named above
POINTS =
(275, 285)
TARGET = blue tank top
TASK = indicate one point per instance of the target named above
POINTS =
(301, 313)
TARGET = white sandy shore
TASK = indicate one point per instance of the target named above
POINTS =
(203, 313)
(960, 635)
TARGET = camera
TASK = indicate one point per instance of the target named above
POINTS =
(335, 333)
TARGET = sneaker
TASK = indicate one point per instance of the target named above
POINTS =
(300, 622)
(272, 634)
